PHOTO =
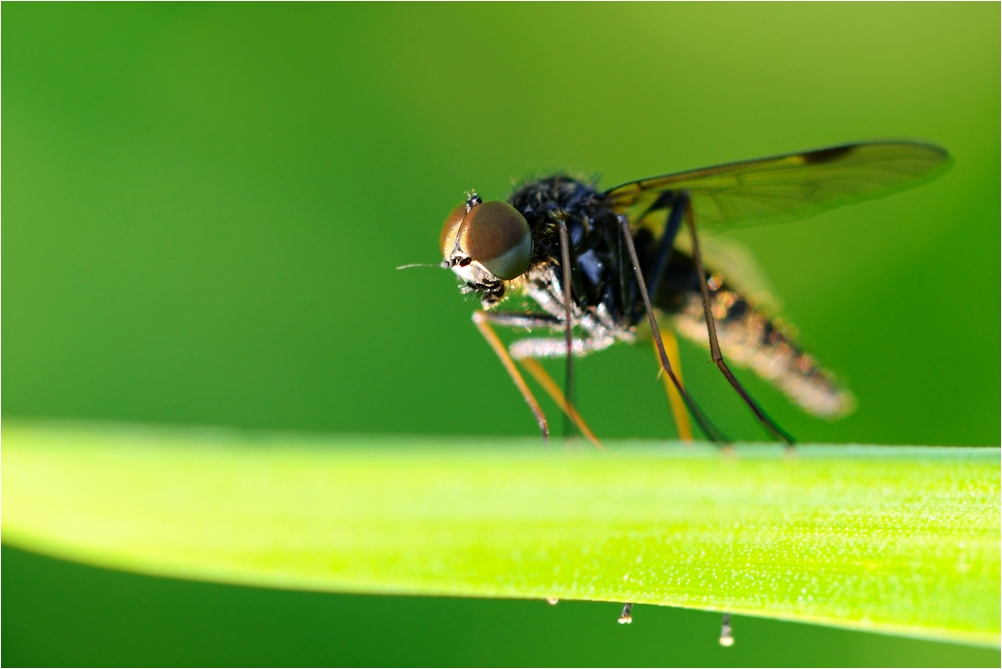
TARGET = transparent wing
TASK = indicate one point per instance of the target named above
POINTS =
(782, 188)
(737, 264)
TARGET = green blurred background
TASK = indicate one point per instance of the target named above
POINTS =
(203, 206)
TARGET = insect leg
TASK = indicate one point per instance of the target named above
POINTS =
(525, 351)
(518, 319)
(544, 379)
(715, 354)
(674, 399)
(711, 432)
(565, 262)
(480, 320)
(679, 202)
(550, 347)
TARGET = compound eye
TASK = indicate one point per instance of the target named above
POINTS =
(497, 236)
(447, 240)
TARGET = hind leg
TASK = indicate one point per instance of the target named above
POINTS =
(709, 429)
(718, 359)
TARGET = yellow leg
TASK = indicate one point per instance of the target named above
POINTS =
(674, 399)
(553, 390)
(480, 320)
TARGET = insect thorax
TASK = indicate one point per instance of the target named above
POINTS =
(596, 247)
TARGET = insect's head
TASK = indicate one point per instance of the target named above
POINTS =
(486, 243)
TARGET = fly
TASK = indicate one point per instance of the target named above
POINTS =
(609, 266)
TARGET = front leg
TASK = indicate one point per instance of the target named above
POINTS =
(481, 320)
(544, 347)
(527, 350)
(550, 347)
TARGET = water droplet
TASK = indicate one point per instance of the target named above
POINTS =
(726, 638)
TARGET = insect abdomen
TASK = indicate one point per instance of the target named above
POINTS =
(749, 339)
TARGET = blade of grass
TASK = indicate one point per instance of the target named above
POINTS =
(889, 539)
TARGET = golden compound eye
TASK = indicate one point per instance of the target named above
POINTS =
(447, 240)
(497, 236)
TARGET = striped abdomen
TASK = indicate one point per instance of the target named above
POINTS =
(750, 339)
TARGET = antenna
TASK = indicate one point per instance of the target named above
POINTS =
(423, 264)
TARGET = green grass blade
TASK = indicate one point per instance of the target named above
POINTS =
(889, 539)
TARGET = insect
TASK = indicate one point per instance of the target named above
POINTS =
(601, 267)
(609, 266)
